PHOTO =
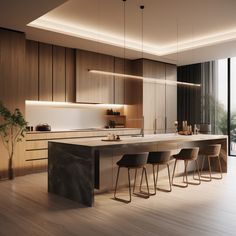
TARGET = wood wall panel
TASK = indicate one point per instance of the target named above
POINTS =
(59, 76)
(45, 72)
(12, 88)
(31, 70)
(94, 88)
(70, 75)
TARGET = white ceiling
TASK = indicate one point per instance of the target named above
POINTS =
(175, 31)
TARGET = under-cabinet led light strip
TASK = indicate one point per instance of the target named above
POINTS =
(146, 79)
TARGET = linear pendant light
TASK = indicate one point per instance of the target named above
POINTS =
(145, 79)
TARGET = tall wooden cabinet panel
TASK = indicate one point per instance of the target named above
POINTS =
(154, 97)
(149, 104)
(70, 75)
(119, 82)
(12, 88)
(90, 87)
(59, 76)
(160, 100)
(31, 70)
(171, 101)
(45, 72)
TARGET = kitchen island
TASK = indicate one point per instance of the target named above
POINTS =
(75, 167)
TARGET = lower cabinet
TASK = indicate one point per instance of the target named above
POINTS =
(36, 146)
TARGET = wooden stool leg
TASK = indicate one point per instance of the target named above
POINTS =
(141, 182)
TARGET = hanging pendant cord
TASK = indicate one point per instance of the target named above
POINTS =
(124, 10)
(142, 8)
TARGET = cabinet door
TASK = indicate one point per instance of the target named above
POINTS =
(59, 78)
(122, 67)
(70, 75)
(171, 98)
(149, 105)
(31, 70)
(45, 72)
(90, 87)
(161, 100)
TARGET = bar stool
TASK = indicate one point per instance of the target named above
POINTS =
(156, 159)
(212, 151)
(187, 154)
(132, 161)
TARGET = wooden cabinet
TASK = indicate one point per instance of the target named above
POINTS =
(45, 72)
(31, 70)
(70, 75)
(59, 78)
(159, 100)
(171, 98)
(90, 87)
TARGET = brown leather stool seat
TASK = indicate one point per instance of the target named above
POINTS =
(210, 152)
(187, 154)
(132, 161)
(156, 159)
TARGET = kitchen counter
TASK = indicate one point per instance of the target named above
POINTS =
(81, 130)
(76, 167)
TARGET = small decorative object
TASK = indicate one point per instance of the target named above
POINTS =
(43, 127)
(111, 124)
(176, 127)
(112, 137)
(109, 112)
(12, 131)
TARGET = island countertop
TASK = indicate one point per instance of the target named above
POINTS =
(149, 138)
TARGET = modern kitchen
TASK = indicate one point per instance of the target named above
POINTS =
(117, 117)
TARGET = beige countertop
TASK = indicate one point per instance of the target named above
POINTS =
(97, 142)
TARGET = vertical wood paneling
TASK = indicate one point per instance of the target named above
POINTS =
(171, 101)
(59, 76)
(70, 75)
(121, 66)
(45, 72)
(94, 88)
(31, 70)
(12, 87)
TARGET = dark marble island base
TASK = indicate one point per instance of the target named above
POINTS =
(76, 168)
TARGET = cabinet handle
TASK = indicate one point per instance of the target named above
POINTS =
(155, 126)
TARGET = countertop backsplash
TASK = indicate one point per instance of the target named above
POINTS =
(61, 118)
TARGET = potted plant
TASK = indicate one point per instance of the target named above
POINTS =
(12, 128)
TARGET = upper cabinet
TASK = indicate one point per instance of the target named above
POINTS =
(171, 98)
(45, 72)
(91, 87)
(159, 99)
(59, 80)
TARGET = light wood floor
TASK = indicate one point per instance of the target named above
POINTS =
(209, 209)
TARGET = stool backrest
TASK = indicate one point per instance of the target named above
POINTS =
(212, 150)
(189, 153)
(137, 159)
(159, 157)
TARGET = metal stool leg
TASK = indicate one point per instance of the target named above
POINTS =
(117, 177)
(129, 185)
(135, 176)
(220, 169)
(144, 168)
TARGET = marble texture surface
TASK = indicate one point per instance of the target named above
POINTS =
(74, 167)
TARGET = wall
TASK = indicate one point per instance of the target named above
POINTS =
(62, 118)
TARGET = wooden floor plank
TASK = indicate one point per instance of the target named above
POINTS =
(209, 209)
